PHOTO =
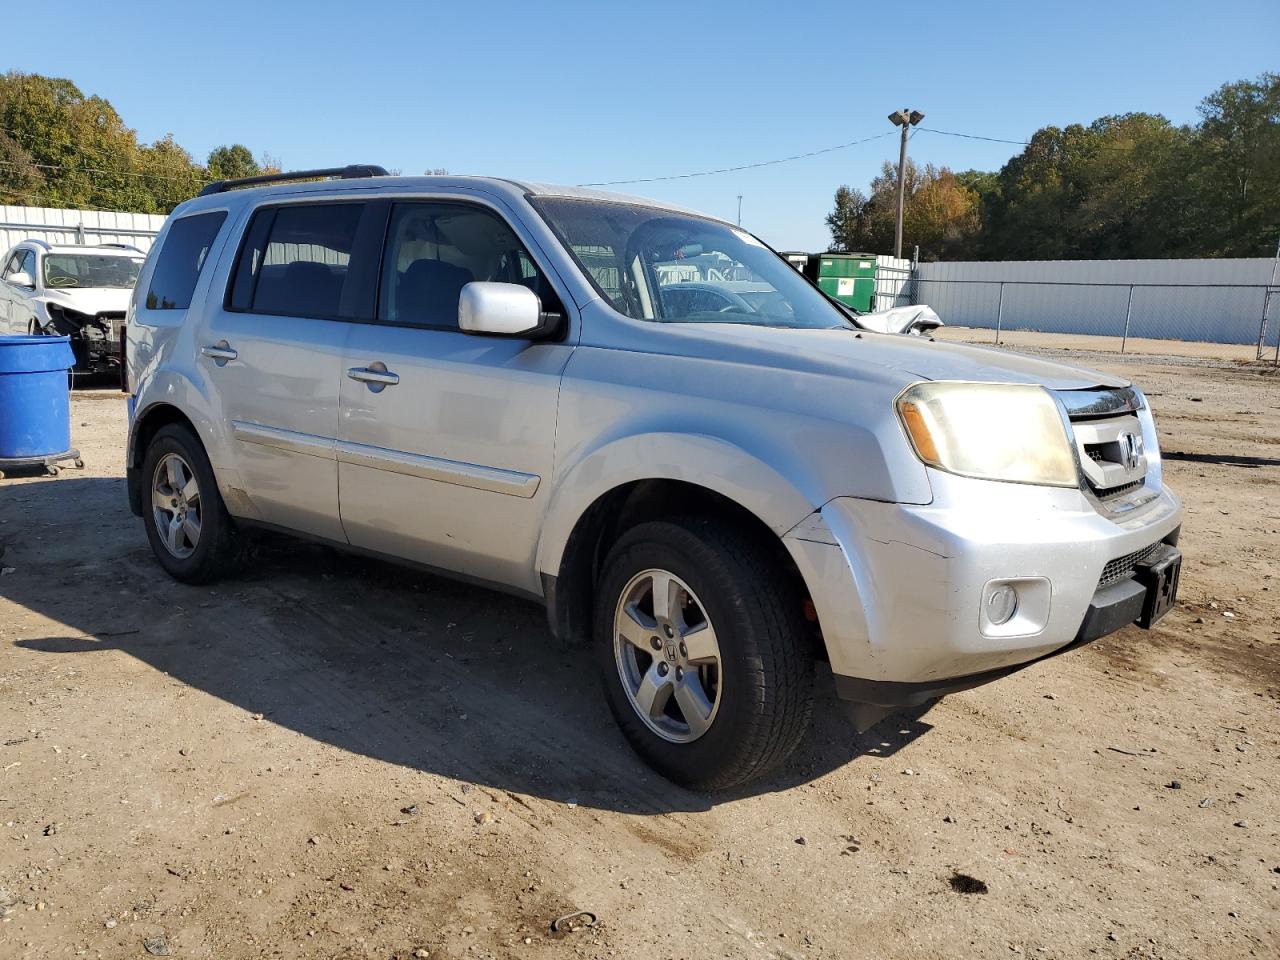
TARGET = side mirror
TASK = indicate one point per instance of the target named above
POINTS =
(503, 310)
(21, 279)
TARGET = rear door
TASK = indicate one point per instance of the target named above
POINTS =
(273, 352)
(445, 440)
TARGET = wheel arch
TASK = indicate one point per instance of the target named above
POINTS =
(146, 424)
(594, 505)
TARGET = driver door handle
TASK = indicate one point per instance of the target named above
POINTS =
(365, 375)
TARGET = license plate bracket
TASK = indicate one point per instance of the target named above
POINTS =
(1159, 574)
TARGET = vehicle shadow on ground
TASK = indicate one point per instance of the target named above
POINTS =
(366, 656)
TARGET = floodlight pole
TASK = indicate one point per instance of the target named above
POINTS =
(739, 209)
(906, 119)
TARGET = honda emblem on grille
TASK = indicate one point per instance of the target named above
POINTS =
(1131, 450)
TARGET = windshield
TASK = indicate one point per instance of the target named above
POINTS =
(653, 264)
(63, 270)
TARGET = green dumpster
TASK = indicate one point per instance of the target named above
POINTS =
(849, 277)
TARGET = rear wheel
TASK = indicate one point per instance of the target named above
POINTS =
(703, 652)
(190, 531)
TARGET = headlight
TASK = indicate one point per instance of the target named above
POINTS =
(991, 431)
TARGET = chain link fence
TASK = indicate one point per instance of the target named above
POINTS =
(894, 284)
(1243, 320)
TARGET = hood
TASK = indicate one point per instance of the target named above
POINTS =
(851, 353)
(90, 300)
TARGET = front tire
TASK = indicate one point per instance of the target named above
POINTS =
(190, 531)
(703, 652)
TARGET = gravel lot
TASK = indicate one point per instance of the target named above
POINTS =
(333, 757)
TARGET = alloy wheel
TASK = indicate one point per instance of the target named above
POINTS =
(667, 655)
(175, 505)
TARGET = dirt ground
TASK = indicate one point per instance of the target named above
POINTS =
(333, 757)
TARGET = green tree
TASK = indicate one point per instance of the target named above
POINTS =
(20, 178)
(59, 147)
(79, 144)
(1237, 172)
(847, 221)
(1126, 185)
(232, 163)
(940, 213)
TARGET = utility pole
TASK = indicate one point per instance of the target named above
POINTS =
(906, 119)
(739, 209)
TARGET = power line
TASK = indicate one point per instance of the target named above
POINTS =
(974, 136)
(5, 192)
(89, 151)
(1021, 143)
(745, 166)
(107, 173)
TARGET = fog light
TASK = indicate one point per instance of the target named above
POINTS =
(1002, 604)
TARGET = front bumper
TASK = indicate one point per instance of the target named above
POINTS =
(899, 589)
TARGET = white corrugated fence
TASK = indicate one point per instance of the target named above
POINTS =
(1214, 301)
(54, 225)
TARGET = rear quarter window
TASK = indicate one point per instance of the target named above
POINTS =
(186, 247)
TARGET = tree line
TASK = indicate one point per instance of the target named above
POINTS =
(60, 148)
(1125, 186)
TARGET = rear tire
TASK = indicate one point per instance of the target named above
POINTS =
(190, 531)
(713, 713)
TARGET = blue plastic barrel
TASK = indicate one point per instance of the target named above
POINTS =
(35, 406)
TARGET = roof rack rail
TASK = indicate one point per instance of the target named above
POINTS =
(353, 171)
(121, 246)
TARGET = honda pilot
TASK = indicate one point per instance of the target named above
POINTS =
(719, 494)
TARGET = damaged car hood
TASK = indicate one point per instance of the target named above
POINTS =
(90, 300)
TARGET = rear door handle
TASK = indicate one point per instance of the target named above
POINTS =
(219, 353)
(374, 376)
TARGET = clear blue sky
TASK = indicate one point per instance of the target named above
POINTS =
(580, 92)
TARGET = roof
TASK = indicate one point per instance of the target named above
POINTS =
(101, 249)
(504, 187)
(590, 193)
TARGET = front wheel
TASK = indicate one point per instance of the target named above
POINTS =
(703, 652)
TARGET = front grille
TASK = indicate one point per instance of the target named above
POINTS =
(1108, 438)
(1122, 568)
(1111, 492)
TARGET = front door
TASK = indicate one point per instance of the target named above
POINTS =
(445, 440)
(274, 353)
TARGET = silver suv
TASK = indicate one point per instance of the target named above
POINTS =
(490, 379)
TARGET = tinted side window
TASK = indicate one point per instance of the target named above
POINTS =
(433, 250)
(178, 268)
(295, 259)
